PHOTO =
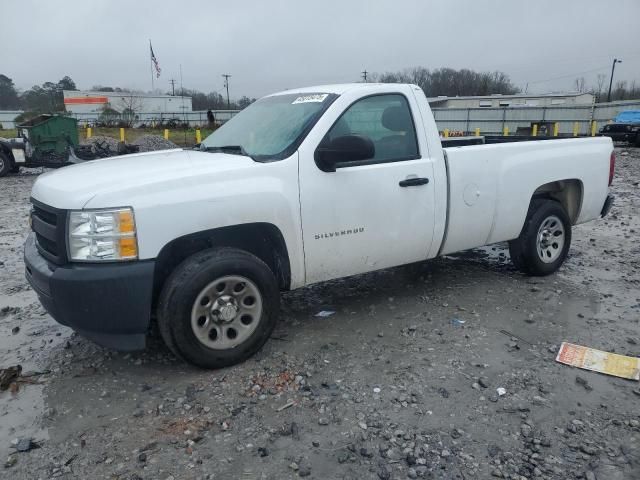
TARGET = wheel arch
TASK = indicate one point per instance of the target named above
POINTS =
(264, 240)
(568, 192)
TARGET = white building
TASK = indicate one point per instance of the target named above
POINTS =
(82, 103)
(519, 100)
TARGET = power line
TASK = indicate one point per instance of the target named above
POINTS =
(173, 87)
(364, 75)
(569, 75)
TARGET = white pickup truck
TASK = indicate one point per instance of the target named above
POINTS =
(301, 187)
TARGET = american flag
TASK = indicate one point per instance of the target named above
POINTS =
(155, 61)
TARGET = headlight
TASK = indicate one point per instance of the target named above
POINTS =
(102, 235)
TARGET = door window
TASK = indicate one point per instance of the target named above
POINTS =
(386, 120)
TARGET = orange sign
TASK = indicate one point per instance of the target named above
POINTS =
(85, 100)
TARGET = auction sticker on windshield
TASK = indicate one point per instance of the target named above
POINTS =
(311, 98)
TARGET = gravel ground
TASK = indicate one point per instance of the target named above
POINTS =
(103, 141)
(148, 143)
(392, 386)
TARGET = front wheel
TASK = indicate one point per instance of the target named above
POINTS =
(543, 244)
(218, 307)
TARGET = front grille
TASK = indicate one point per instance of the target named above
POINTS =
(616, 128)
(49, 225)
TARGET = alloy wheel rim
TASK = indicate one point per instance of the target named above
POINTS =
(550, 239)
(226, 312)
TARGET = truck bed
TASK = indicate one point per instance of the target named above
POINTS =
(478, 175)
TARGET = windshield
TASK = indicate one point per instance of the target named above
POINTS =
(271, 128)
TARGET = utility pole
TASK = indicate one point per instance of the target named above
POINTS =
(226, 85)
(613, 68)
(364, 76)
(173, 87)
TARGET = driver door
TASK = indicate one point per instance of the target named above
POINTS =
(373, 213)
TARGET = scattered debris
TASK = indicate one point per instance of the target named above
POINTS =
(9, 375)
(456, 322)
(290, 403)
(324, 313)
(599, 361)
(584, 383)
(501, 391)
(24, 445)
(514, 337)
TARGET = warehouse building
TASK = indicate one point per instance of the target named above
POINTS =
(88, 102)
(519, 100)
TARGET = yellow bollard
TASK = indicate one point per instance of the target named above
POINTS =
(556, 129)
(446, 133)
(166, 134)
(576, 129)
(534, 130)
(89, 132)
(477, 132)
(594, 126)
(121, 134)
(198, 137)
(506, 131)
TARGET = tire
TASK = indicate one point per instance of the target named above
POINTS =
(218, 307)
(6, 164)
(545, 239)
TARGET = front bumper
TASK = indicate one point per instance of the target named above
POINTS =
(608, 203)
(109, 304)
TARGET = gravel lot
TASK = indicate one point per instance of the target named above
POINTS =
(392, 386)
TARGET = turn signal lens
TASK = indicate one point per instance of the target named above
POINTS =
(128, 247)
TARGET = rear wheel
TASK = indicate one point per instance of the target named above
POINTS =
(544, 242)
(6, 164)
(218, 307)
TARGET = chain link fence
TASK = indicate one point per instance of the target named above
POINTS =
(157, 119)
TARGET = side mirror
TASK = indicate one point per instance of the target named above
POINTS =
(344, 149)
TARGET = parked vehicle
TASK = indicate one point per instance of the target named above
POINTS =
(625, 128)
(301, 187)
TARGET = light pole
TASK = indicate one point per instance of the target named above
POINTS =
(226, 84)
(613, 68)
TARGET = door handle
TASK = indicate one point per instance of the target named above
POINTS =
(413, 182)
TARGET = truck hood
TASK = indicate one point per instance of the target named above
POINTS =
(74, 186)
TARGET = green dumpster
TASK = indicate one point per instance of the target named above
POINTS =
(48, 138)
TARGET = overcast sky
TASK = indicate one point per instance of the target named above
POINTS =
(272, 45)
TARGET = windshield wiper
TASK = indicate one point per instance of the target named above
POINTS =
(232, 149)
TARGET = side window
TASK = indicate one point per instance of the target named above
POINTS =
(386, 120)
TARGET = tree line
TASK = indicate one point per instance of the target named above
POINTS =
(450, 82)
(620, 90)
(48, 97)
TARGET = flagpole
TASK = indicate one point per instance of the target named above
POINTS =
(151, 65)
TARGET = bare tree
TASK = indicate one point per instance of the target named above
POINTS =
(579, 84)
(450, 82)
(132, 106)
